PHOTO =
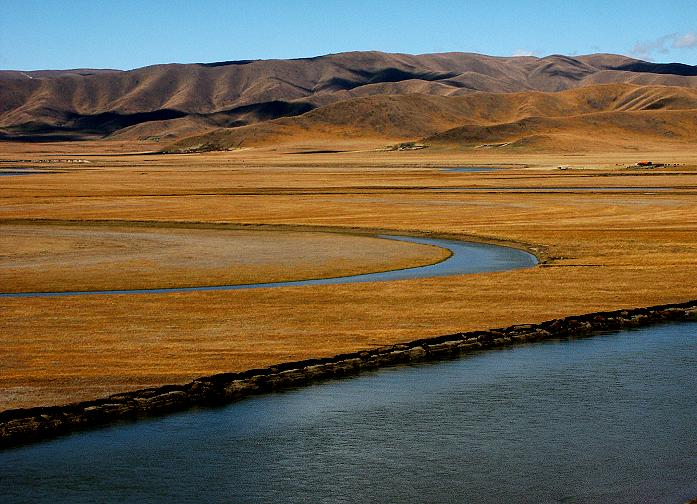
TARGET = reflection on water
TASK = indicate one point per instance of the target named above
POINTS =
(604, 419)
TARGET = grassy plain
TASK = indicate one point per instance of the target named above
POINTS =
(605, 247)
(35, 257)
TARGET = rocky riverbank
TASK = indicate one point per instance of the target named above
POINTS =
(28, 425)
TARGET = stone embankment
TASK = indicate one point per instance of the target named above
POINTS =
(28, 425)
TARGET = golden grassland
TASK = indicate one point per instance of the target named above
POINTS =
(604, 249)
(36, 258)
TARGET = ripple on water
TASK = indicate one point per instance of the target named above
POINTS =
(603, 419)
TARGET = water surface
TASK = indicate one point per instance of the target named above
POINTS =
(17, 173)
(597, 420)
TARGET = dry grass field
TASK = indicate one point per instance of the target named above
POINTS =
(611, 236)
(35, 258)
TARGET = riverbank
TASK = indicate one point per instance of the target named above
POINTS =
(34, 424)
(449, 258)
(601, 251)
(40, 257)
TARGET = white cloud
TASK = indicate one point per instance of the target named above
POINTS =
(524, 52)
(662, 45)
(647, 48)
(686, 41)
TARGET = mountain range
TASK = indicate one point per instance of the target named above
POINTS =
(463, 99)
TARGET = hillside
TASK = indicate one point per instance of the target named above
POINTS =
(620, 113)
(175, 100)
(587, 132)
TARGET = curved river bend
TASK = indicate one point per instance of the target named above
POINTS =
(604, 419)
(467, 257)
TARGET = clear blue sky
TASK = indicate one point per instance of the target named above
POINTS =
(41, 34)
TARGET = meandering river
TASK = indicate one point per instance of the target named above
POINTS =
(604, 419)
(467, 257)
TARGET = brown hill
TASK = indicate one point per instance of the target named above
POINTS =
(174, 99)
(600, 130)
(626, 112)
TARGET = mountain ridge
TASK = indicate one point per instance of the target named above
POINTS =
(470, 120)
(171, 101)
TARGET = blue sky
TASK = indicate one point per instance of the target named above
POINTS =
(128, 34)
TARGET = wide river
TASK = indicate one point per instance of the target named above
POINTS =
(611, 418)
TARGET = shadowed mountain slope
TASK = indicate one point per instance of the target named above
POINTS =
(179, 99)
(478, 118)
